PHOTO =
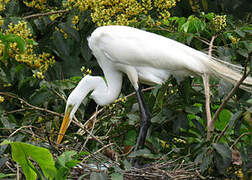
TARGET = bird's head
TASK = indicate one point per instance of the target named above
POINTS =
(71, 108)
(73, 102)
(87, 84)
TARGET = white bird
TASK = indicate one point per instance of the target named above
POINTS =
(147, 58)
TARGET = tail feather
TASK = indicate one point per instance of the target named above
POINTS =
(229, 72)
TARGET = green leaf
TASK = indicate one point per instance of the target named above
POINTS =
(234, 117)
(71, 31)
(22, 152)
(127, 164)
(117, 176)
(247, 29)
(15, 38)
(223, 158)
(133, 118)
(205, 5)
(185, 26)
(180, 122)
(140, 152)
(210, 16)
(224, 117)
(243, 52)
(199, 126)
(159, 118)
(146, 153)
(192, 109)
(61, 44)
(206, 162)
(200, 156)
(130, 138)
(189, 38)
(240, 33)
(2, 175)
(65, 158)
(98, 176)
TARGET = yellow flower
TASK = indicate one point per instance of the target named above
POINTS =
(123, 12)
(7, 85)
(1, 99)
(164, 144)
(75, 20)
(1, 21)
(219, 22)
(234, 40)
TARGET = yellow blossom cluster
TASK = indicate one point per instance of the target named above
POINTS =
(62, 31)
(38, 4)
(113, 106)
(75, 21)
(219, 22)
(178, 140)
(240, 174)
(164, 144)
(2, 4)
(123, 12)
(38, 75)
(1, 99)
(234, 40)
(195, 5)
(7, 85)
(1, 48)
(1, 21)
(85, 71)
(54, 16)
(41, 61)
(123, 100)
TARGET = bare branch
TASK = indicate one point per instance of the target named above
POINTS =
(237, 140)
(231, 93)
(46, 14)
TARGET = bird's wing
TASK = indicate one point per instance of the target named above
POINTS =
(134, 47)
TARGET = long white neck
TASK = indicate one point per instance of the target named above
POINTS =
(106, 92)
(103, 92)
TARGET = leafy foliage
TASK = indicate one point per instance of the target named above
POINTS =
(40, 65)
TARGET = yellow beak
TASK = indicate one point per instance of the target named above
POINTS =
(64, 127)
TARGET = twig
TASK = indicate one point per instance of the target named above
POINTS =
(7, 163)
(205, 78)
(91, 132)
(104, 147)
(222, 132)
(17, 176)
(237, 140)
(92, 169)
(211, 46)
(198, 173)
(27, 104)
(224, 102)
(18, 130)
(46, 14)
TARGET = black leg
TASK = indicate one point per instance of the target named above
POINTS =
(145, 120)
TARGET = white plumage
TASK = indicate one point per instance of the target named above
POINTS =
(144, 57)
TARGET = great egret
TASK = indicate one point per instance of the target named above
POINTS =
(145, 57)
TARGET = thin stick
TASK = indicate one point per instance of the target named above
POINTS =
(205, 78)
(27, 104)
(104, 147)
(93, 125)
(46, 14)
(237, 140)
(18, 130)
(224, 102)
(211, 46)
(17, 177)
